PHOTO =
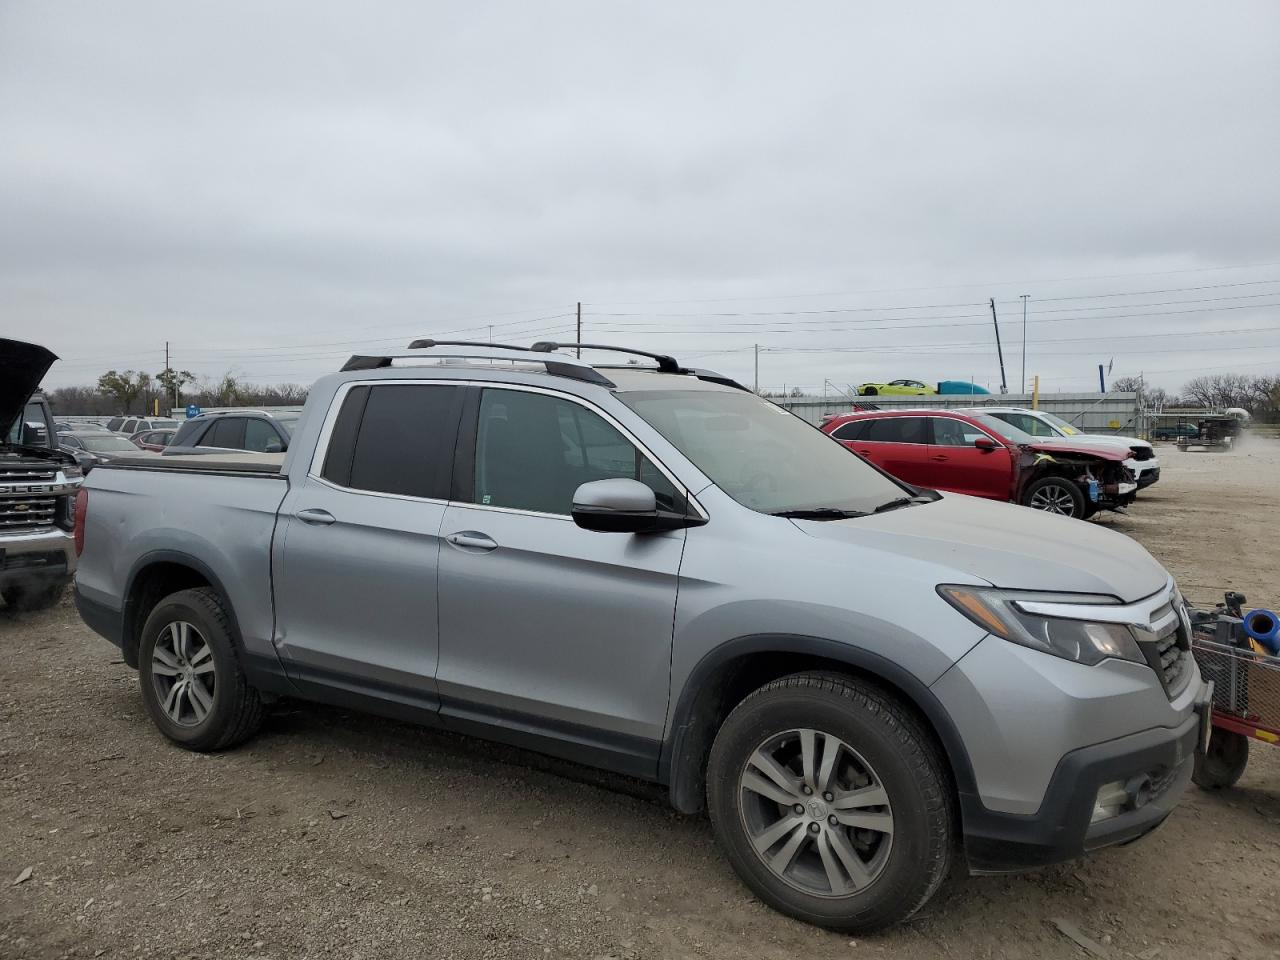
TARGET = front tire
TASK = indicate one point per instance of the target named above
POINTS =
(871, 392)
(1222, 764)
(831, 802)
(26, 597)
(1056, 495)
(192, 683)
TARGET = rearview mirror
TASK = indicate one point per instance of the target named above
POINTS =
(985, 443)
(622, 505)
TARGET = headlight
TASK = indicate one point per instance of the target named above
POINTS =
(1084, 641)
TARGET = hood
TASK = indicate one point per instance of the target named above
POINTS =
(1101, 451)
(1107, 439)
(22, 367)
(1006, 545)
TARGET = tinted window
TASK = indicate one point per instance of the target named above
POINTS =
(853, 430)
(899, 430)
(226, 432)
(114, 423)
(129, 426)
(395, 438)
(72, 442)
(954, 433)
(188, 433)
(261, 437)
(533, 451)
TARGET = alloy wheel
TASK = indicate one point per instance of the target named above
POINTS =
(1053, 498)
(183, 673)
(816, 813)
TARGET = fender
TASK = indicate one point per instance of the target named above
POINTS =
(266, 674)
(689, 739)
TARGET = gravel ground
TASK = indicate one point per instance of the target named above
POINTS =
(339, 835)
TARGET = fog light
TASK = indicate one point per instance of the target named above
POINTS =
(1111, 800)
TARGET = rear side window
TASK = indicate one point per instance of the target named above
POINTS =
(395, 438)
(899, 430)
(853, 430)
(114, 423)
(227, 433)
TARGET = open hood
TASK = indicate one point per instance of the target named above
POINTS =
(22, 367)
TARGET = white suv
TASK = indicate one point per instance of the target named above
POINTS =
(1143, 462)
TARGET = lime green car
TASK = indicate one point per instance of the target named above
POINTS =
(901, 388)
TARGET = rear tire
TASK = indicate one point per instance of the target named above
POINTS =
(192, 683)
(1056, 495)
(1222, 765)
(871, 392)
(26, 597)
(854, 840)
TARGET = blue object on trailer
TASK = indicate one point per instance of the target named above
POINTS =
(961, 387)
(1264, 626)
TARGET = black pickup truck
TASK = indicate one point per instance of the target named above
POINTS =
(38, 483)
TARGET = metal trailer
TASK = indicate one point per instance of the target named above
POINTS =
(1246, 692)
(1216, 433)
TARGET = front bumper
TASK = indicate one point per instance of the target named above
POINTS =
(1147, 477)
(44, 555)
(1061, 829)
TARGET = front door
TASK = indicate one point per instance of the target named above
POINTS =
(355, 559)
(552, 636)
(959, 466)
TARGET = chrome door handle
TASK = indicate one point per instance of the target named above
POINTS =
(471, 540)
(316, 517)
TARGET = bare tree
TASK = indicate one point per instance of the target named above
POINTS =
(1221, 390)
(124, 387)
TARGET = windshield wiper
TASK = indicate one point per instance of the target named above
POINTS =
(901, 502)
(819, 513)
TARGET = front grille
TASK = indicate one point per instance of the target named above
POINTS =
(20, 473)
(1142, 453)
(26, 512)
(1167, 648)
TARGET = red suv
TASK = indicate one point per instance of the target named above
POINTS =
(983, 456)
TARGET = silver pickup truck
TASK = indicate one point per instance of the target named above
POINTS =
(654, 571)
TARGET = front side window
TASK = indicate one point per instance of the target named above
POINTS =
(395, 438)
(261, 437)
(761, 455)
(533, 451)
(954, 433)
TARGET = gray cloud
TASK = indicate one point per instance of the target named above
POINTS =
(233, 176)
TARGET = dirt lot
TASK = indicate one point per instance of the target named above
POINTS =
(339, 835)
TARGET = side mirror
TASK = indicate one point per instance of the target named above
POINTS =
(622, 505)
(985, 443)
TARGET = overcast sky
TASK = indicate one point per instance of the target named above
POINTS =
(267, 185)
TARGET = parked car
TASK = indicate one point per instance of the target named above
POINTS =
(154, 440)
(1142, 456)
(37, 482)
(131, 425)
(259, 431)
(656, 572)
(92, 447)
(901, 388)
(982, 456)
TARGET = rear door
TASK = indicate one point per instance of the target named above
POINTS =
(356, 559)
(959, 466)
(559, 636)
(898, 444)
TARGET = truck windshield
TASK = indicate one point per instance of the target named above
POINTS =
(1067, 428)
(761, 455)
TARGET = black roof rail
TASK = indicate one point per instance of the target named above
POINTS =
(666, 362)
(558, 366)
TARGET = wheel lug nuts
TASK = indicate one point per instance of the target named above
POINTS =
(828, 796)
(798, 808)
(813, 828)
(832, 820)
(806, 790)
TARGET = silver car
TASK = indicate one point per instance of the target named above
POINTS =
(654, 571)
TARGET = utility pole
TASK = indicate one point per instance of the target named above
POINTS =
(579, 340)
(491, 333)
(757, 369)
(174, 399)
(1004, 384)
(1022, 386)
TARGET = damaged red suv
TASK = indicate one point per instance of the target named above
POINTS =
(983, 456)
